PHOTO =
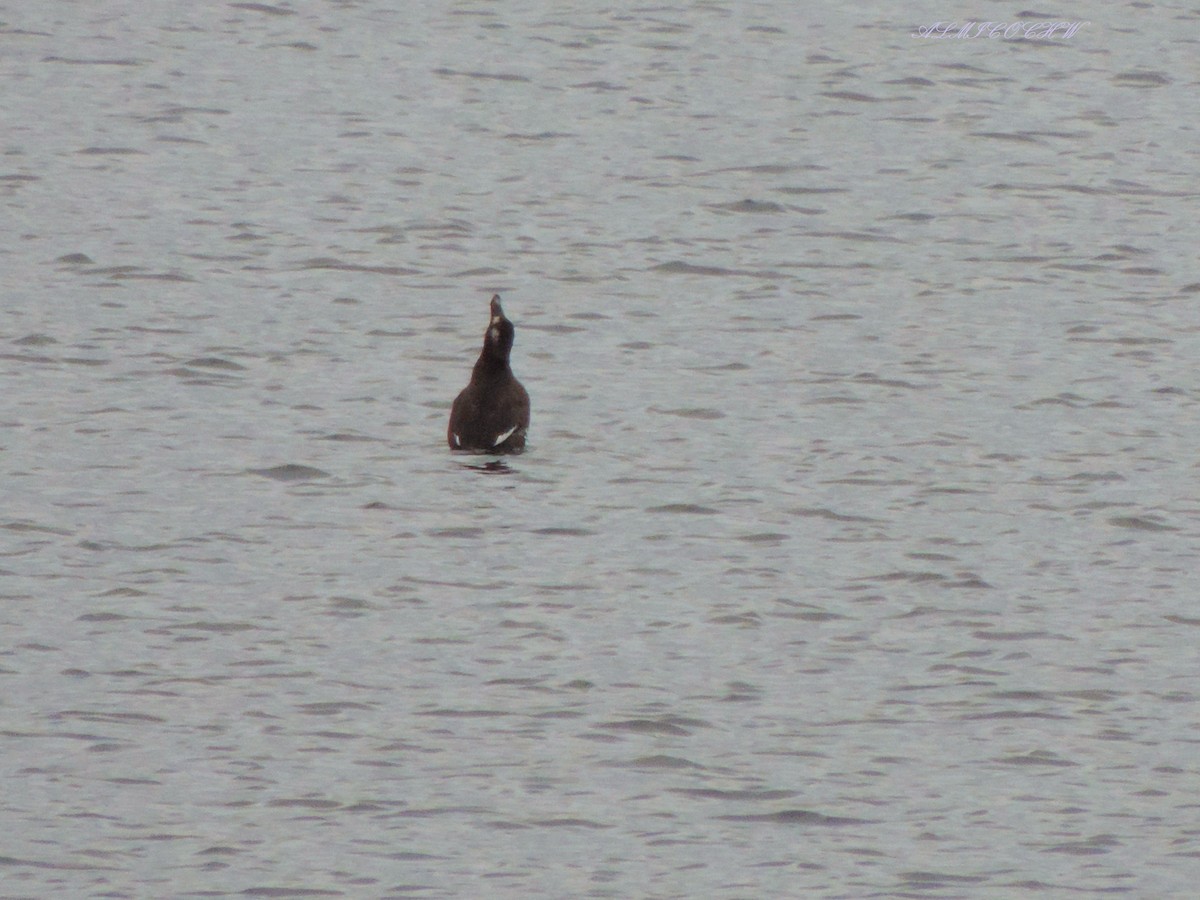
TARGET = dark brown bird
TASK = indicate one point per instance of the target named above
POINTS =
(491, 415)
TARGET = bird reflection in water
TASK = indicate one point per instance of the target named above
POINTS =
(494, 467)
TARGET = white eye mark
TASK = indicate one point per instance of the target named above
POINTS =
(504, 437)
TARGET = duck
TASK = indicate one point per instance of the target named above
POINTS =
(491, 414)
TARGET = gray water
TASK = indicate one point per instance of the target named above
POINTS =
(855, 550)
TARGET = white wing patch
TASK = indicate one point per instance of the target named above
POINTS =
(495, 334)
(457, 441)
(504, 437)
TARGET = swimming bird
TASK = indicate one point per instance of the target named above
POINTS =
(491, 414)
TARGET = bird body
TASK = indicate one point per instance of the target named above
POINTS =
(491, 414)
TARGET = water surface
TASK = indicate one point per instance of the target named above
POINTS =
(854, 551)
